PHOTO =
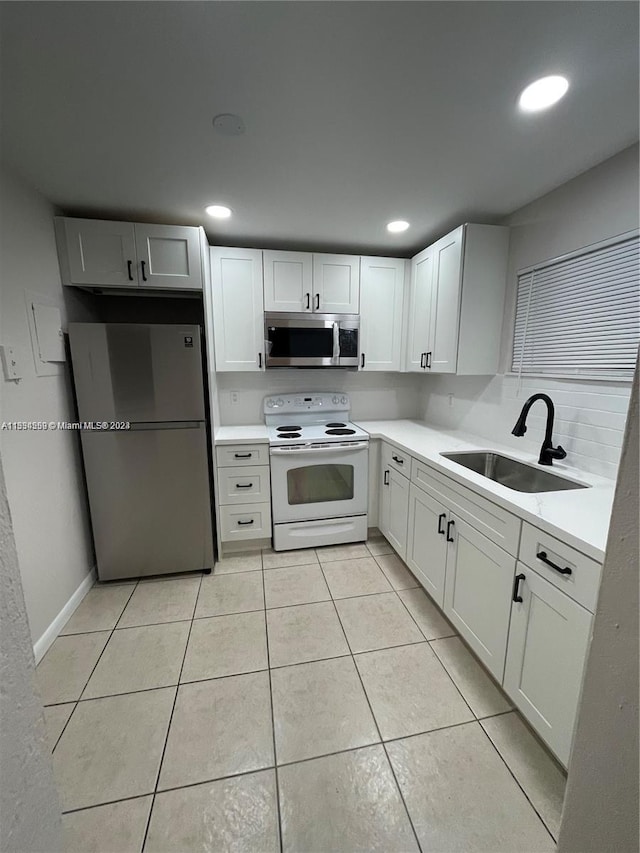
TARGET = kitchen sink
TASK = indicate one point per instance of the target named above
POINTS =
(511, 473)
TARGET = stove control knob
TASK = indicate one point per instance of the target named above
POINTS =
(279, 402)
(270, 404)
(335, 400)
(344, 401)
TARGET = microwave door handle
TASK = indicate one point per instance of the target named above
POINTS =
(336, 344)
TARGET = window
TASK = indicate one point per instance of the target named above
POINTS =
(579, 315)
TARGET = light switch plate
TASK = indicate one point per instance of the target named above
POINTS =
(10, 363)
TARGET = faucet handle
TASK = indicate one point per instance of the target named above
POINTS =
(558, 452)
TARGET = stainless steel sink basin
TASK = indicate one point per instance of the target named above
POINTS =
(511, 473)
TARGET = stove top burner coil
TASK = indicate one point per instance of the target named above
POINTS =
(288, 428)
(341, 432)
(289, 435)
(334, 426)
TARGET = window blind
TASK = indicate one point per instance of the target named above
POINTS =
(580, 314)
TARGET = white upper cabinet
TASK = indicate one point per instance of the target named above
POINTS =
(97, 252)
(336, 284)
(169, 257)
(237, 305)
(419, 323)
(381, 306)
(288, 281)
(457, 302)
(101, 253)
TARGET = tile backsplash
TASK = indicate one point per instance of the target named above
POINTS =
(589, 417)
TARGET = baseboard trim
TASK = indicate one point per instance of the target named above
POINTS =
(42, 646)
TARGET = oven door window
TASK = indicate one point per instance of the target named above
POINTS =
(292, 342)
(312, 484)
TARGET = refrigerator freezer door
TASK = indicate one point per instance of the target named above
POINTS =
(137, 373)
(149, 498)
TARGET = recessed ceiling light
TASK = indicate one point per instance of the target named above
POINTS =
(218, 211)
(543, 93)
(397, 225)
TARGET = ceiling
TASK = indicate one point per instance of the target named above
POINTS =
(356, 113)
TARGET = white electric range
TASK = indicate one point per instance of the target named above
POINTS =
(319, 471)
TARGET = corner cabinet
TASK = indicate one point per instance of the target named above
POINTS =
(457, 302)
(237, 299)
(382, 282)
(99, 253)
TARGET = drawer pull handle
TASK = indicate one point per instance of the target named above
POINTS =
(516, 588)
(542, 555)
(386, 478)
(450, 524)
(442, 516)
(398, 460)
(244, 485)
(246, 522)
(243, 455)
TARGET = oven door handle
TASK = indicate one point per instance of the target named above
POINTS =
(336, 343)
(332, 448)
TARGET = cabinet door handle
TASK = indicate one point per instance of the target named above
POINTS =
(129, 271)
(144, 275)
(244, 485)
(428, 359)
(398, 460)
(308, 295)
(317, 301)
(246, 522)
(243, 455)
(386, 478)
(260, 360)
(362, 360)
(516, 588)
(441, 517)
(450, 524)
(422, 355)
(542, 555)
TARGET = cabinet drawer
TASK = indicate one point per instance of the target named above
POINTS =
(581, 583)
(233, 455)
(245, 521)
(246, 483)
(392, 458)
(488, 518)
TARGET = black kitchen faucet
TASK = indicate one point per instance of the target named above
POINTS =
(547, 452)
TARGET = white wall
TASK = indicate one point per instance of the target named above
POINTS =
(590, 415)
(29, 806)
(373, 395)
(42, 469)
(601, 804)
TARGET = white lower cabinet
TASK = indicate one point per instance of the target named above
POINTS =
(426, 542)
(477, 598)
(243, 493)
(548, 643)
(394, 505)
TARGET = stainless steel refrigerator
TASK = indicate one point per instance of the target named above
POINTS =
(149, 487)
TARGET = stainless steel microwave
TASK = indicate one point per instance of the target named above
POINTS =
(311, 340)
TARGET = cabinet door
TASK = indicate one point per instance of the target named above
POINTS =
(548, 643)
(426, 542)
(394, 509)
(445, 314)
(236, 276)
(420, 310)
(477, 596)
(381, 302)
(288, 281)
(336, 284)
(169, 257)
(100, 252)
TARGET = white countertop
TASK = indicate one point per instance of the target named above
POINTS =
(251, 434)
(579, 517)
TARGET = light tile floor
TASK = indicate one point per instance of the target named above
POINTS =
(306, 701)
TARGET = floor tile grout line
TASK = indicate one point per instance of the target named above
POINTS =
(273, 719)
(375, 722)
(517, 781)
(173, 707)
